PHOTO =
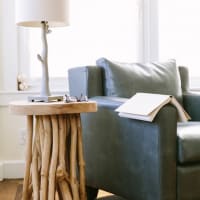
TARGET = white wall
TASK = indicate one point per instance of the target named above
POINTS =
(11, 127)
(12, 141)
(8, 44)
(11, 152)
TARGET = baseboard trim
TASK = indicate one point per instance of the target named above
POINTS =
(12, 169)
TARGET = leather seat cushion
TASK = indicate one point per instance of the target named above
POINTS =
(188, 142)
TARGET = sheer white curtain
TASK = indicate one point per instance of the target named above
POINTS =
(107, 28)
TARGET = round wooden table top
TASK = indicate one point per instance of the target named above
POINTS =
(51, 108)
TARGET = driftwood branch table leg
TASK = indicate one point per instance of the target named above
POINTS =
(54, 158)
(81, 159)
(46, 157)
(62, 174)
(35, 165)
(28, 156)
(73, 156)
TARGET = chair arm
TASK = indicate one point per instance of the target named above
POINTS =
(131, 158)
(86, 80)
(191, 103)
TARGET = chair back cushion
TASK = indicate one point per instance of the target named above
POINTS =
(126, 79)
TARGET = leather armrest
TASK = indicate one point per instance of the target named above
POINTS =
(130, 153)
(86, 80)
(191, 103)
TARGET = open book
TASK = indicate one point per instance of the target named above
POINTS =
(145, 106)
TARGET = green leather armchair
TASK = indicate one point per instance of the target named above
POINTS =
(134, 159)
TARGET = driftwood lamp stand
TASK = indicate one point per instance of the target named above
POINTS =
(55, 167)
(45, 95)
(45, 14)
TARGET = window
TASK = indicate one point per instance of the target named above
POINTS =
(97, 28)
(122, 30)
(179, 34)
(125, 30)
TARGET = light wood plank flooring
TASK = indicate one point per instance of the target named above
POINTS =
(8, 189)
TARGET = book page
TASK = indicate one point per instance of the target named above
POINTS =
(148, 118)
(182, 114)
(143, 103)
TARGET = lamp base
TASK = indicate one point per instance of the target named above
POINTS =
(44, 98)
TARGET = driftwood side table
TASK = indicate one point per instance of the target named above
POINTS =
(55, 167)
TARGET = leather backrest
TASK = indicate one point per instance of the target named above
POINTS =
(126, 79)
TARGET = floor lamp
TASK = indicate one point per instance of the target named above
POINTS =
(42, 14)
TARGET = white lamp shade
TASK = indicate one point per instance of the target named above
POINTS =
(30, 13)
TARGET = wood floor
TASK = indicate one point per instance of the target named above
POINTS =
(8, 191)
